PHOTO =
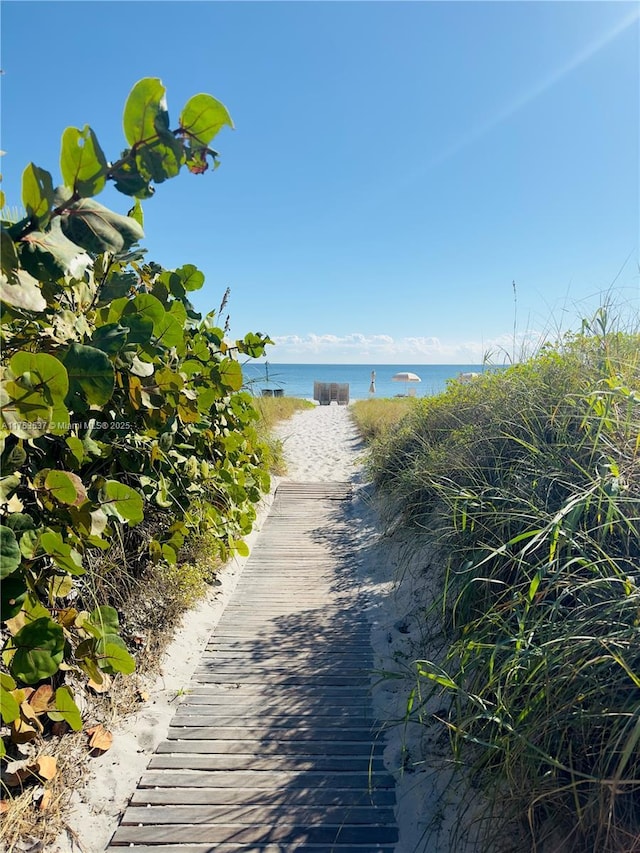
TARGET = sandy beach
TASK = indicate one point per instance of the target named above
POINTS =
(320, 445)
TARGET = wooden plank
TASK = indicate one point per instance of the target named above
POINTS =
(215, 833)
(237, 733)
(259, 847)
(253, 746)
(211, 761)
(271, 722)
(263, 797)
(255, 779)
(252, 815)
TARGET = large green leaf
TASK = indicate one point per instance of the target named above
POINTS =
(202, 117)
(122, 502)
(230, 374)
(37, 191)
(39, 648)
(91, 374)
(169, 332)
(32, 394)
(66, 709)
(8, 254)
(144, 305)
(50, 255)
(190, 276)
(64, 487)
(13, 592)
(82, 162)
(62, 554)
(128, 180)
(113, 656)
(22, 291)
(161, 159)
(105, 618)
(9, 708)
(98, 229)
(10, 555)
(145, 107)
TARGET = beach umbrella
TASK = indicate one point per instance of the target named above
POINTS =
(406, 377)
(372, 387)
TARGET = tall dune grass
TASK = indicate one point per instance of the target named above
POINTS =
(529, 479)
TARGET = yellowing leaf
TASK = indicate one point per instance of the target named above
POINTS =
(46, 766)
(100, 739)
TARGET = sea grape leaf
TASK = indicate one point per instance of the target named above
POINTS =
(82, 161)
(145, 105)
(67, 709)
(190, 276)
(13, 591)
(110, 338)
(9, 708)
(230, 374)
(160, 159)
(106, 619)
(39, 648)
(202, 117)
(61, 486)
(63, 555)
(98, 229)
(122, 502)
(22, 291)
(50, 255)
(37, 191)
(8, 254)
(137, 213)
(10, 556)
(168, 331)
(114, 657)
(128, 180)
(91, 374)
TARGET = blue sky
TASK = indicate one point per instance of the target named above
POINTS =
(394, 167)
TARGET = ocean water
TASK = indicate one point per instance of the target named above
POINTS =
(296, 380)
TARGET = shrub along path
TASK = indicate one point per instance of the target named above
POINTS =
(274, 747)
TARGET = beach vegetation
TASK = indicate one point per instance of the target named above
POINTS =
(527, 482)
(129, 448)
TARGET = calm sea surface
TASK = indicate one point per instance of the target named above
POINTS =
(296, 380)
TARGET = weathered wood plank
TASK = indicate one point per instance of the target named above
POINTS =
(285, 796)
(255, 779)
(237, 733)
(271, 746)
(251, 815)
(210, 761)
(291, 834)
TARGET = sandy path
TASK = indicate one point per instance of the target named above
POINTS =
(321, 445)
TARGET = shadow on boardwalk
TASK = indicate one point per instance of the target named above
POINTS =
(275, 747)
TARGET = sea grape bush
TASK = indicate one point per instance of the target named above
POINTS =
(115, 397)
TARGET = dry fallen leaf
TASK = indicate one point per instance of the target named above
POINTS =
(143, 696)
(4, 806)
(100, 687)
(45, 800)
(41, 699)
(100, 739)
(46, 766)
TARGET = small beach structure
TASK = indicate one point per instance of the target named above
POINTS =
(372, 387)
(406, 377)
(326, 393)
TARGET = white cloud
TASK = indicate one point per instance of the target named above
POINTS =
(357, 348)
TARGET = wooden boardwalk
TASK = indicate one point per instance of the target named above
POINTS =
(274, 748)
